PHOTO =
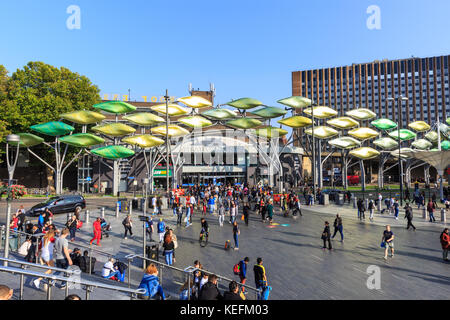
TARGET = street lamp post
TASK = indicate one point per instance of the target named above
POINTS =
(400, 169)
(166, 97)
(313, 153)
(12, 138)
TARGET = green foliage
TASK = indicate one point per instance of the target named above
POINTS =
(39, 93)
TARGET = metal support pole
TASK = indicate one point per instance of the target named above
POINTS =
(130, 207)
(103, 212)
(86, 217)
(117, 209)
(90, 260)
(129, 273)
(88, 288)
(424, 213)
(144, 244)
(166, 97)
(49, 291)
(8, 219)
(21, 285)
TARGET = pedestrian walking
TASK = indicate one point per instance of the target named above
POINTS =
(243, 271)
(62, 253)
(179, 214)
(371, 207)
(47, 242)
(445, 243)
(127, 224)
(221, 214)
(338, 227)
(149, 227)
(430, 208)
(396, 209)
(97, 227)
(260, 276)
(72, 226)
(388, 241)
(233, 213)
(236, 233)
(409, 216)
(326, 235)
(270, 210)
(169, 248)
(21, 216)
(361, 209)
(161, 230)
(246, 212)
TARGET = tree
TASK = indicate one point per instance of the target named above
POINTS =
(39, 93)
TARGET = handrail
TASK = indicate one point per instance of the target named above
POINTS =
(40, 266)
(187, 271)
(88, 284)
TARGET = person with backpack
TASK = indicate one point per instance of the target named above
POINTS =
(445, 243)
(161, 226)
(388, 241)
(243, 271)
(409, 216)
(169, 248)
(150, 282)
(127, 225)
(396, 209)
(149, 227)
(430, 208)
(260, 276)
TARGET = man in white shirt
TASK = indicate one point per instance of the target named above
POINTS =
(109, 270)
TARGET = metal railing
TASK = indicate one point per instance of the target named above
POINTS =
(186, 274)
(24, 265)
(90, 251)
(19, 235)
(88, 285)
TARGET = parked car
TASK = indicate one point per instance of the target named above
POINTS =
(59, 204)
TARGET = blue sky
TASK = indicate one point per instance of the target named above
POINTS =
(247, 48)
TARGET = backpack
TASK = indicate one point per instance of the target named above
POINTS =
(161, 227)
(237, 269)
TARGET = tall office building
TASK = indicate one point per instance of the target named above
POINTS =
(424, 81)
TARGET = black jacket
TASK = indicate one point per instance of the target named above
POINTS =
(231, 296)
(259, 274)
(210, 292)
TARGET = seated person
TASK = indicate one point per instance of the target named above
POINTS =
(84, 262)
(76, 257)
(150, 283)
(109, 271)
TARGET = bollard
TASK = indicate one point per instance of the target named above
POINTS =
(86, 217)
(117, 209)
(354, 203)
(103, 212)
(424, 213)
(443, 216)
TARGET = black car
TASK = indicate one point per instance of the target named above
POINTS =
(59, 204)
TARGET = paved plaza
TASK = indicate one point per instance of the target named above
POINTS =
(296, 265)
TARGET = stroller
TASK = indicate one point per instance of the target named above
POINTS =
(106, 228)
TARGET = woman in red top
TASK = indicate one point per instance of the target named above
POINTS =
(14, 222)
(97, 231)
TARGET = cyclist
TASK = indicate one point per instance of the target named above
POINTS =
(204, 229)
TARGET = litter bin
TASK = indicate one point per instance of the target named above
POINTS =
(123, 205)
(339, 199)
(152, 251)
(135, 203)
